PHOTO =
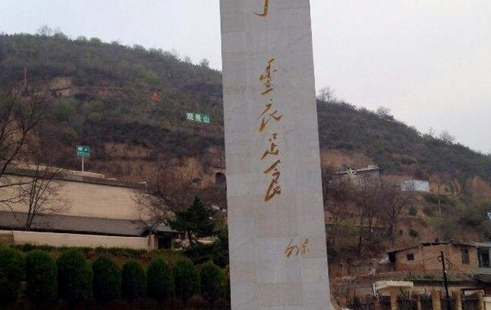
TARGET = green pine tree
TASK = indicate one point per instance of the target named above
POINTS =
(196, 221)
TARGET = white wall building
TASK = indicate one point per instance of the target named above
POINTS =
(416, 186)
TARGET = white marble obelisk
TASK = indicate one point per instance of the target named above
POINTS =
(276, 220)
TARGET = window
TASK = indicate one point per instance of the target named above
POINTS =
(464, 252)
(483, 257)
(410, 256)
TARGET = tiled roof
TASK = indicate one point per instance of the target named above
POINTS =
(484, 278)
(76, 176)
(75, 224)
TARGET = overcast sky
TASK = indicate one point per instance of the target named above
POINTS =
(428, 61)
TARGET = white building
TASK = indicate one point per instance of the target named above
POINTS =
(415, 186)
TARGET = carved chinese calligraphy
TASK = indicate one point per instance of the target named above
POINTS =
(274, 183)
(267, 77)
(266, 118)
(273, 149)
(296, 250)
(270, 113)
(265, 9)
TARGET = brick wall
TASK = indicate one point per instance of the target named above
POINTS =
(426, 258)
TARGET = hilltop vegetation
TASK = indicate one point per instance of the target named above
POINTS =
(396, 147)
(113, 94)
(106, 94)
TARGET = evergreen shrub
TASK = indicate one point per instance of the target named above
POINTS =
(12, 272)
(160, 280)
(41, 275)
(134, 280)
(212, 281)
(107, 279)
(74, 276)
(186, 279)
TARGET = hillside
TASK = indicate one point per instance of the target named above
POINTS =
(394, 146)
(129, 104)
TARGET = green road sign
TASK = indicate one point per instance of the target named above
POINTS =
(198, 117)
(83, 150)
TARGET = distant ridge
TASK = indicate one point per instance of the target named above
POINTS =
(116, 95)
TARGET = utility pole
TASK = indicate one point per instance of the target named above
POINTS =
(442, 259)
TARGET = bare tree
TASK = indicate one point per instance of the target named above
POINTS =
(431, 132)
(168, 191)
(384, 113)
(325, 94)
(41, 193)
(394, 202)
(205, 63)
(446, 137)
(368, 203)
(45, 30)
(20, 115)
(440, 180)
(339, 200)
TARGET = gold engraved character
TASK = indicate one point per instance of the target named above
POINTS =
(264, 120)
(265, 9)
(272, 167)
(266, 77)
(304, 247)
(273, 148)
(290, 248)
(273, 189)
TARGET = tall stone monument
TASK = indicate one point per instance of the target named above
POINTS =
(274, 191)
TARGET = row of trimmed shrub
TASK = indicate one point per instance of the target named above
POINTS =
(71, 277)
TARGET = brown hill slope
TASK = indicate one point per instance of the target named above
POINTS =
(129, 104)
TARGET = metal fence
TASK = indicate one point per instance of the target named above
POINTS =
(426, 303)
(406, 303)
(447, 303)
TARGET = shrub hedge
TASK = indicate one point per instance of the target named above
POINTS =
(160, 280)
(212, 281)
(41, 275)
(107, 279)
(186, 279)
(134, 283)
(74, 276)
(12, 272)
(74, 280)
